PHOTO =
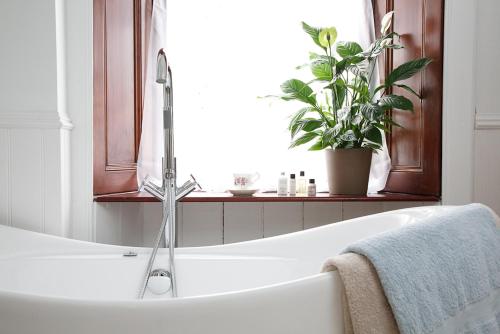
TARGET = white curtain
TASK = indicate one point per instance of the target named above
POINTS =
(224, 54)
(151, 148)
(381, 162)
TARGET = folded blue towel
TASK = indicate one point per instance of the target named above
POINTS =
(441, 267)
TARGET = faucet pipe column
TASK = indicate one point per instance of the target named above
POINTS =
(168, 193)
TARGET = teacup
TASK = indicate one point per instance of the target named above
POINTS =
(245, 180)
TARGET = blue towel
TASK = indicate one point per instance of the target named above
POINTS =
(441, 267)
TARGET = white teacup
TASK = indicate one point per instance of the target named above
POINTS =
(245, 180)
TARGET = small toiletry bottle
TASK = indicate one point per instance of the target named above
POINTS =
(282, 185)
(293, 185)
(311, 188)
(301, 184)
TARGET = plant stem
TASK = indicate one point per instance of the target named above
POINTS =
(334, 89)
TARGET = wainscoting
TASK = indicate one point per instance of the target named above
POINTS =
(204, 224)
(33, 172)
(487, 165)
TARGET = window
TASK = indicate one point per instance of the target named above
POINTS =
(224, 54)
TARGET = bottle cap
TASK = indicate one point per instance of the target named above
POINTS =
(292, 176)
(311, 181)
(302, 173)
(283, 173)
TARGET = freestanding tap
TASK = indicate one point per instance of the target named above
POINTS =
(168, 193)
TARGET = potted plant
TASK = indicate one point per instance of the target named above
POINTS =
(344, 114)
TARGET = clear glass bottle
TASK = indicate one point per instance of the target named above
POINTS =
(292, 185)
(302, 184)
(282, 185)
(311, 188)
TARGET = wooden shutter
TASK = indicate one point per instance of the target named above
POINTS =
(121, 28)
(415, 150)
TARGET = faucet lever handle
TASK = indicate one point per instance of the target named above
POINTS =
(196, 182)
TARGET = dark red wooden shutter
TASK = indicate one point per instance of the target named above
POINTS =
(415, 150)
(120, 40)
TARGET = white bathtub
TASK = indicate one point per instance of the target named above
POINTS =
(51, 285)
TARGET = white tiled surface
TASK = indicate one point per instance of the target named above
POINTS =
(201, 224)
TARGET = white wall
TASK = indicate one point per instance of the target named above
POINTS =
(471, 110)
(28, 66)
(34, 128)
(487, 130)
(79, 79)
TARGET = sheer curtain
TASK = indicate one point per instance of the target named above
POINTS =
(224, 55)
(149, 161)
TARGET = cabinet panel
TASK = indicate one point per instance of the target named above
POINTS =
(202, 224)
(317, 214)
(282, 218)
(352, 210)
(243, 221)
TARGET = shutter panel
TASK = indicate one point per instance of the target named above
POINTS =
(120, 30)
(415, 150)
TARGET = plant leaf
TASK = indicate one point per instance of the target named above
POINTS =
(319, 145)
(382, 127)
(307, 137)
(342, 65)
(406, 70)
(313, 32)
(298, 116)
(349, 136)
(340, 90)
(298, 90)
(395, 102)
(409, 89)
(373, 134)
(371, 111)
(322, 70)
(307, 125)
(348, 49)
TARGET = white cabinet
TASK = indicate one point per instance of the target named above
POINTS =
(215, 223)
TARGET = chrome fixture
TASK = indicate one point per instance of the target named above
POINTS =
(130, 254)
(160, 281)
(168, 193)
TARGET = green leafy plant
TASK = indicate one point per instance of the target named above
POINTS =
(346, 111)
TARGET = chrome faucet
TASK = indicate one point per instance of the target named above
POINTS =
(168, 193)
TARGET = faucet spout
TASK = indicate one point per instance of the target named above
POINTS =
(161, 67)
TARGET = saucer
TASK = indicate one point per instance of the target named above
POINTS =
(243, 192)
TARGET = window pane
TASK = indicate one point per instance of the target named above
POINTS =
(224, 55)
